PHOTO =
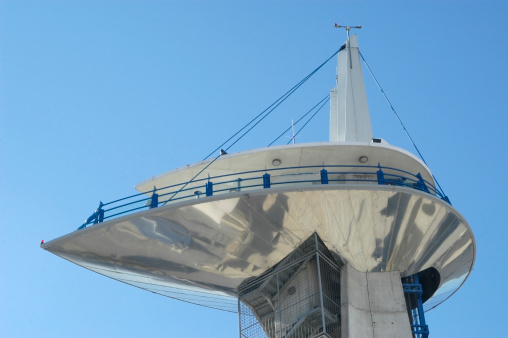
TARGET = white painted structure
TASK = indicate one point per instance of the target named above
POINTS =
(349, 111)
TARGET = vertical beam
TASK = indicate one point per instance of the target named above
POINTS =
(372, 304)
(279, 306)
(321, 304)
(420, 303)
(418, 325)
(320, 285)
(239, 318)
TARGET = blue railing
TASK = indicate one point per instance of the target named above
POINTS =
(262, 179)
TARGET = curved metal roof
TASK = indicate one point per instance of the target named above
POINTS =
(201, 250)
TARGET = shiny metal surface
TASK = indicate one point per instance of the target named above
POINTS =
(201, 250)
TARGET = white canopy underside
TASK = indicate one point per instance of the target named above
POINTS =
(199, 249)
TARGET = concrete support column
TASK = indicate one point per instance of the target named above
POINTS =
(372, 305)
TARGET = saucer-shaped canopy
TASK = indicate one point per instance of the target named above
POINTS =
(200, 250)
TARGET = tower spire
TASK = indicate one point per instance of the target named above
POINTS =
(349, 111)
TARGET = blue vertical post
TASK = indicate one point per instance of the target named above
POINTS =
(97, 217)
(419, 327)
(423, 326)
(380, 176)
(239, 184)
(154, 200)
(209, 188)
(99, 214)
(266, 181)
(421, 183)
(324, 176)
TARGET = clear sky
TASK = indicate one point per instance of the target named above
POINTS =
(96, 96)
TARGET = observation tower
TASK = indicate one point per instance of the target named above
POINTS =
(346, 238)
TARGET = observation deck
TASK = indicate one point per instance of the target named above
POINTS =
(374, 206)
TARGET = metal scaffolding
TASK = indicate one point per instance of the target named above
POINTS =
(298, 297)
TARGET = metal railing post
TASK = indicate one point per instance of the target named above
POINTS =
(154, 200)
(290, 176)
(381, 177)
(421, 183)
(100, 216)
(324, 176)
(97, 217)
(266, 181)
(209, 188)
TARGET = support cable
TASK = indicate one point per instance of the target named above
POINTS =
(317, 111)
(270, 108)
(400, 121)
(301, 118)
(192, 179)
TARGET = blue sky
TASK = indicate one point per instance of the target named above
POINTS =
(96, 96)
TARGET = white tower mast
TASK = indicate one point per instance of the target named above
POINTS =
(349, 111)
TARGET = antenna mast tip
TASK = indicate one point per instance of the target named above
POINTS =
(347, 27)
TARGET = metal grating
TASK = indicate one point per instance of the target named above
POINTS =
(298, 297)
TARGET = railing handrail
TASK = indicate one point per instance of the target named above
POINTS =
(400, 178)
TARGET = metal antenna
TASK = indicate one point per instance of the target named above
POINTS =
(293, 128)
(347, 28)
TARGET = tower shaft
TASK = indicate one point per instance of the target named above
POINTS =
(373, 304)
